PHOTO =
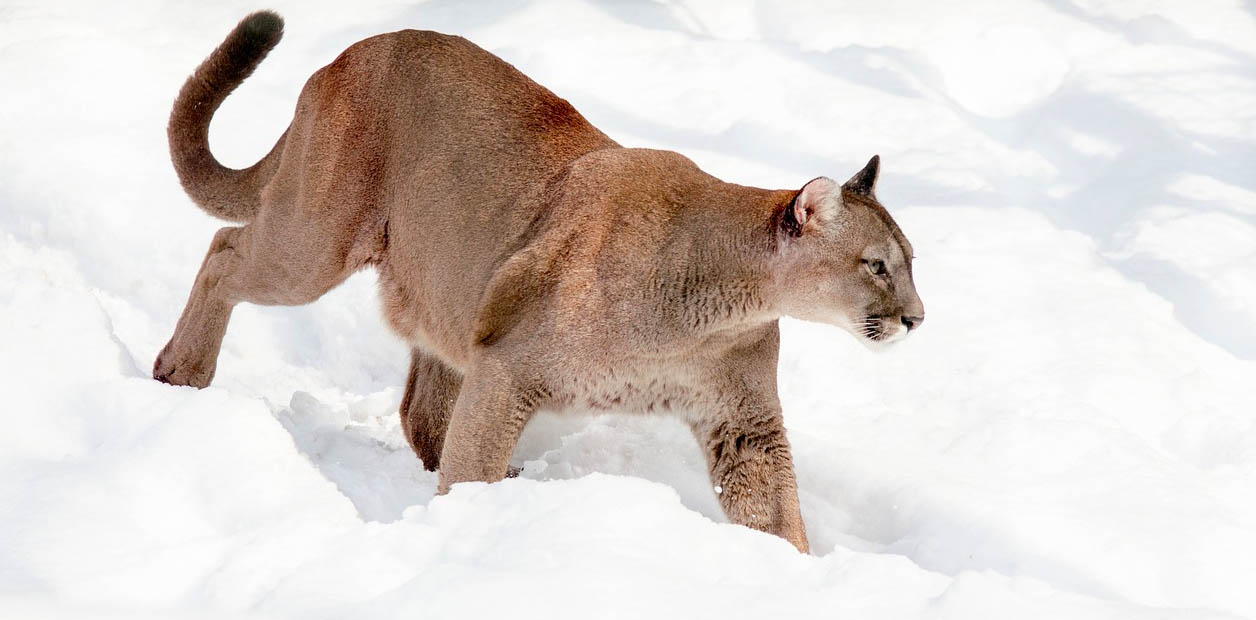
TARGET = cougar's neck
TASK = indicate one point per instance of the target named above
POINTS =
(729, 278)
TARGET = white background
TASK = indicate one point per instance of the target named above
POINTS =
(1071, 434)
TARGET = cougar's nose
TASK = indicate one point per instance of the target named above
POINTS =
(912, 322)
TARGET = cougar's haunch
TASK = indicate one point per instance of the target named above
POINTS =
(529, 260)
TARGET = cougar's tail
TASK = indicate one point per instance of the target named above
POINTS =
(223, 192)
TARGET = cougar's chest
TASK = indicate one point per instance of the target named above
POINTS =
(632, 387)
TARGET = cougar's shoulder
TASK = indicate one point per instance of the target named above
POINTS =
(626, 237)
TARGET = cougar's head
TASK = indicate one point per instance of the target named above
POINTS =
(842, 260)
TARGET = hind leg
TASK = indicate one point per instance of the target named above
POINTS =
(191, 355)
(431, 390)
(267, 262)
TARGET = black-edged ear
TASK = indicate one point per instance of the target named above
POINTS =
(817, 201)
(865, 181)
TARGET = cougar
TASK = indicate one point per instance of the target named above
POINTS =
(529, 260)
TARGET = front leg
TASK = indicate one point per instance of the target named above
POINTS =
(750, 464)
(743, 435)
(492, 408)
(431, 391)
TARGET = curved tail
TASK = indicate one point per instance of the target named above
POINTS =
(221, 191)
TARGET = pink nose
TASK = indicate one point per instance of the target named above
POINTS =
(912, 322)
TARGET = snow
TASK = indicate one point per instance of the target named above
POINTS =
(1072, 433)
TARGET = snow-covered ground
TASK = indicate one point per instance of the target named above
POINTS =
(1072, 434)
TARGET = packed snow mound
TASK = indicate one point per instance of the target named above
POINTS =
(1071, 434)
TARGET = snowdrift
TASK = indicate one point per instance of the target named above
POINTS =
(1071, 434)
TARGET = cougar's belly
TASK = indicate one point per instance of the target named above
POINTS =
(631, 386)
(430, 295)
(444, 243)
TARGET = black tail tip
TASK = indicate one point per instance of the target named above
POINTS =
(265, 27)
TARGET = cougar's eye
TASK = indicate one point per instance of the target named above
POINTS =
(875, 266)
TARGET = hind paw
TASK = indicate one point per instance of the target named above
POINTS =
(173, 370)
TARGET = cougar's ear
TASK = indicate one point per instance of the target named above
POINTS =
(818, 201)
(865, 180)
